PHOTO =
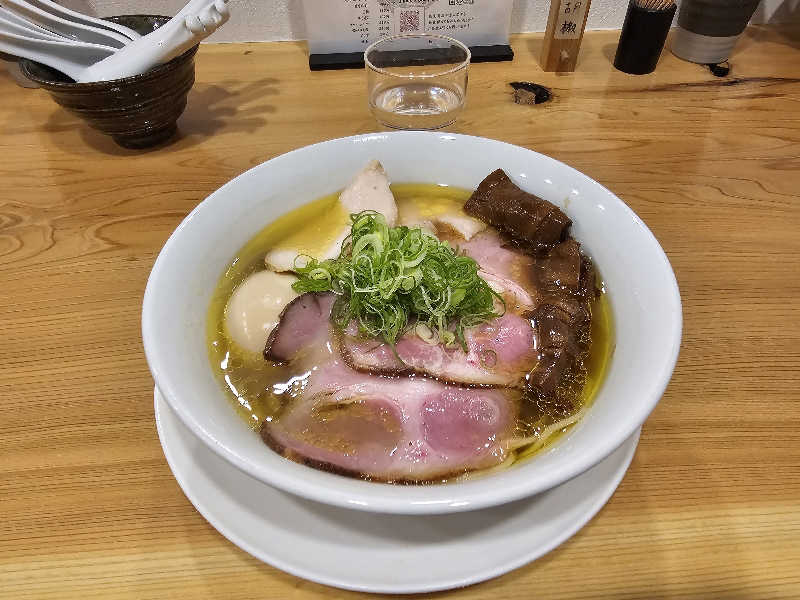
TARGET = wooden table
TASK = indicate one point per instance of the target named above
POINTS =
(710, 507)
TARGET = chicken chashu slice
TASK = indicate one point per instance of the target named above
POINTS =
(369, 190)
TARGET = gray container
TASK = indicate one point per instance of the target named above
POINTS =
(708, 29)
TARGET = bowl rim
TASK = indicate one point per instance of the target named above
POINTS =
(63, 86)
(479, 494)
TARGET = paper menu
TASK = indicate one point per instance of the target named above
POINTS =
(351, 25)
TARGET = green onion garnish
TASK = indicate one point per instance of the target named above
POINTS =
(390, 277)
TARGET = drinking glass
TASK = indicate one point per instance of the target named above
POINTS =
(417, 81)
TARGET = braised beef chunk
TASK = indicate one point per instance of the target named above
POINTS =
(563, 320)
(533, 224)
(567, 308)
(554, 333)
(559, 350)
(587, 287)
(563, 328)
(548, 373)
(561, 268)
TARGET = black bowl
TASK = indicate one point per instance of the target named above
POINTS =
(138, 111)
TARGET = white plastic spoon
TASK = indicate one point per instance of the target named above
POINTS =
(71, 15)
(193, 6)
(69, 29)
(33, 30)
(71, 58)
(7, 26)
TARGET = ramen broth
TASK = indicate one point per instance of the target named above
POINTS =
(259, 389)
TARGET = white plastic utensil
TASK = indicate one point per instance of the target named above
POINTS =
(193, 6)
(71, 58)
(12, 28)
(69, 29)
(13, 23)
(76, 17)
(196, 21)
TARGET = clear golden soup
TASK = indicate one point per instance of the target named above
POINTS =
(259, 389)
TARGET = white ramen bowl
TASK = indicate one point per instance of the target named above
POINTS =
(642, 290)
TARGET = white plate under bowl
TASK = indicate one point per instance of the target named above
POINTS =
(373, 552)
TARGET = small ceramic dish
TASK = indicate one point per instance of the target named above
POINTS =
(138, 111)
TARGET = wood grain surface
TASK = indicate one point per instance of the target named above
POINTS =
(710, 507)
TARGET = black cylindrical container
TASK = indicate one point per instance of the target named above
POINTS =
(642, 39)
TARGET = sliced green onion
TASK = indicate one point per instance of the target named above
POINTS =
(389, 279)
